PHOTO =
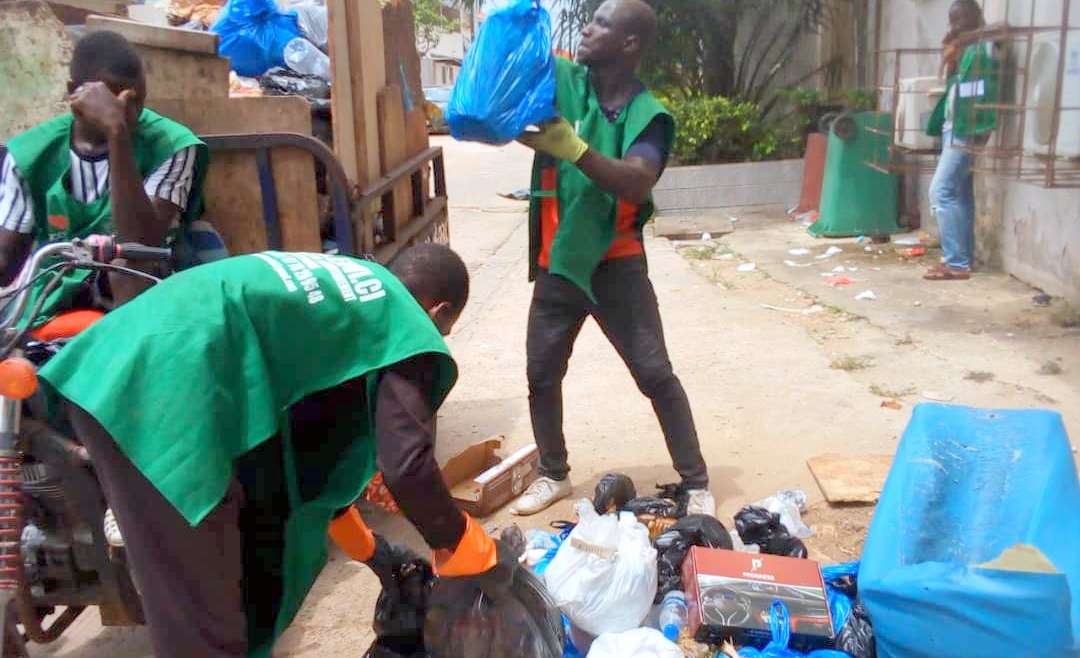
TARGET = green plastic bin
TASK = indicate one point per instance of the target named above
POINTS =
(857, 199)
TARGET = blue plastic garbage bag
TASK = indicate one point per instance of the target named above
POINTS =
(838, 578)
(253, 35)
(966, 485)
(507, 82)
(780, 627)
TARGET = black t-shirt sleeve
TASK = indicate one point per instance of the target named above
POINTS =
(405, 431)
(652, 144)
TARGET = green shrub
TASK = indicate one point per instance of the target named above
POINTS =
(717, 129)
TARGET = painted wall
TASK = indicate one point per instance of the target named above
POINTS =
(1026, 230)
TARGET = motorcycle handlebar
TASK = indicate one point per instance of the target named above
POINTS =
(139, 252)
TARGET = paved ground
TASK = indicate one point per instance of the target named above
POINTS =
(760, 381)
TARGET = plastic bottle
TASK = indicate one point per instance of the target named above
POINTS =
(303, 57)
(673, 615)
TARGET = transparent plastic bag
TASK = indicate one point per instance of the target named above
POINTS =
(507, 81)
(604, 576)
(253, 35)
(789, 504)
(314, 23)
(303, 57)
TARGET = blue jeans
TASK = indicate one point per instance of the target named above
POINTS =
(952, 198)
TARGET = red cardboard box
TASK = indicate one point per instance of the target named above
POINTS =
(729, 595)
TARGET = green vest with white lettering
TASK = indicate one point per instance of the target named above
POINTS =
(194, 375)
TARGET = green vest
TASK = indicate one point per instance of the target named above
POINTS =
(42, 155)
(587, 214)
(194, 377)
(976, 81)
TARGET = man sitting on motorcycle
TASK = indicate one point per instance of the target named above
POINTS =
(110, 166)
(235, 410)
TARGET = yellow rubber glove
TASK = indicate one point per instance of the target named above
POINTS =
(353, 536)
(475, 554)
(558, 139)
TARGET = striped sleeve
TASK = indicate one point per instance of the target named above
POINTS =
(16, 208)
(172, 180)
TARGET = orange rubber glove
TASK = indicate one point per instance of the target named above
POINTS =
(353, 536)
(475, 554)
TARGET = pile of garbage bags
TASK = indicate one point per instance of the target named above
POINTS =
(260, 35)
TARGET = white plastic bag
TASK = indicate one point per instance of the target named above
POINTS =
(637, 643)
(789, 504)
(604, 575)
(314, 23)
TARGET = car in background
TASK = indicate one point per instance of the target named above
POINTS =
(435, 101)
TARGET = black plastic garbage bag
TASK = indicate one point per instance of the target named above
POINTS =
(514, 539)
(676, 492)
(857, 635)
(673, 545)
(280, 81)
(467, 618)
(653, 505)
(613, 492)
(757, 525)
(407, 580)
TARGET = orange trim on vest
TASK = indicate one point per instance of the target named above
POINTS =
(67, 325)
(626, 242)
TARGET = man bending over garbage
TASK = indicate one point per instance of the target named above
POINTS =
(592, 194)
(244, 410)
(109, 167)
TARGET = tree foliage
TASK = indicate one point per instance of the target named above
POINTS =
(431, 23)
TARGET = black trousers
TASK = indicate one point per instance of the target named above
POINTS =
(627, 313)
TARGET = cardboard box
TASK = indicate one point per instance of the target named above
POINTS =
(481, 481)
(729, 595)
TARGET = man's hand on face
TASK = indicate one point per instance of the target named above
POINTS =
(112, 114)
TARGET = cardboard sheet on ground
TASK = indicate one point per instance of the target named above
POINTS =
(850, 478)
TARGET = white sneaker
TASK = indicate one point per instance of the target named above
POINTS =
(112, 530)
(701, 502)
(541, 494)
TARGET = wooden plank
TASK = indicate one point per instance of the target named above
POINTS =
(392, 153)
(172, 38)
(174, 74)
(341, 101)
(114, 7)
(417, 141)
(850, 478)
(367, 74)
(402, 58)
(233, 199)
(36, 51)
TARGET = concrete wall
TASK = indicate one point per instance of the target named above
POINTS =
(1026, 230)
(731, 188)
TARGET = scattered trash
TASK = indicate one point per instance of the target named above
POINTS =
(1050, 368)
(868, 249)
(705, 237)
(909, 241)
(839, 269)
(1042, 299)
(613, 492)
(912, 252)
(852, 269)
(937, 397)
(829, 253)
(304, 57)
(239, 86)
(517, 195)
(979, 376)
(466, 619)
(895, 405)
(507, 82)
(673, 545)
(673, 615)
(604, 576)
(816, 308)
(726, 257)
(866, 295)
(837, 281)
(916, 303)
(280, 81)
(732, 594)
(757, 525)
(791, 263)
(798, 252)
(636, 643)
(856, 637)
(254, 34)
(747, 267)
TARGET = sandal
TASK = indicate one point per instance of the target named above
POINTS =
(943, 273)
